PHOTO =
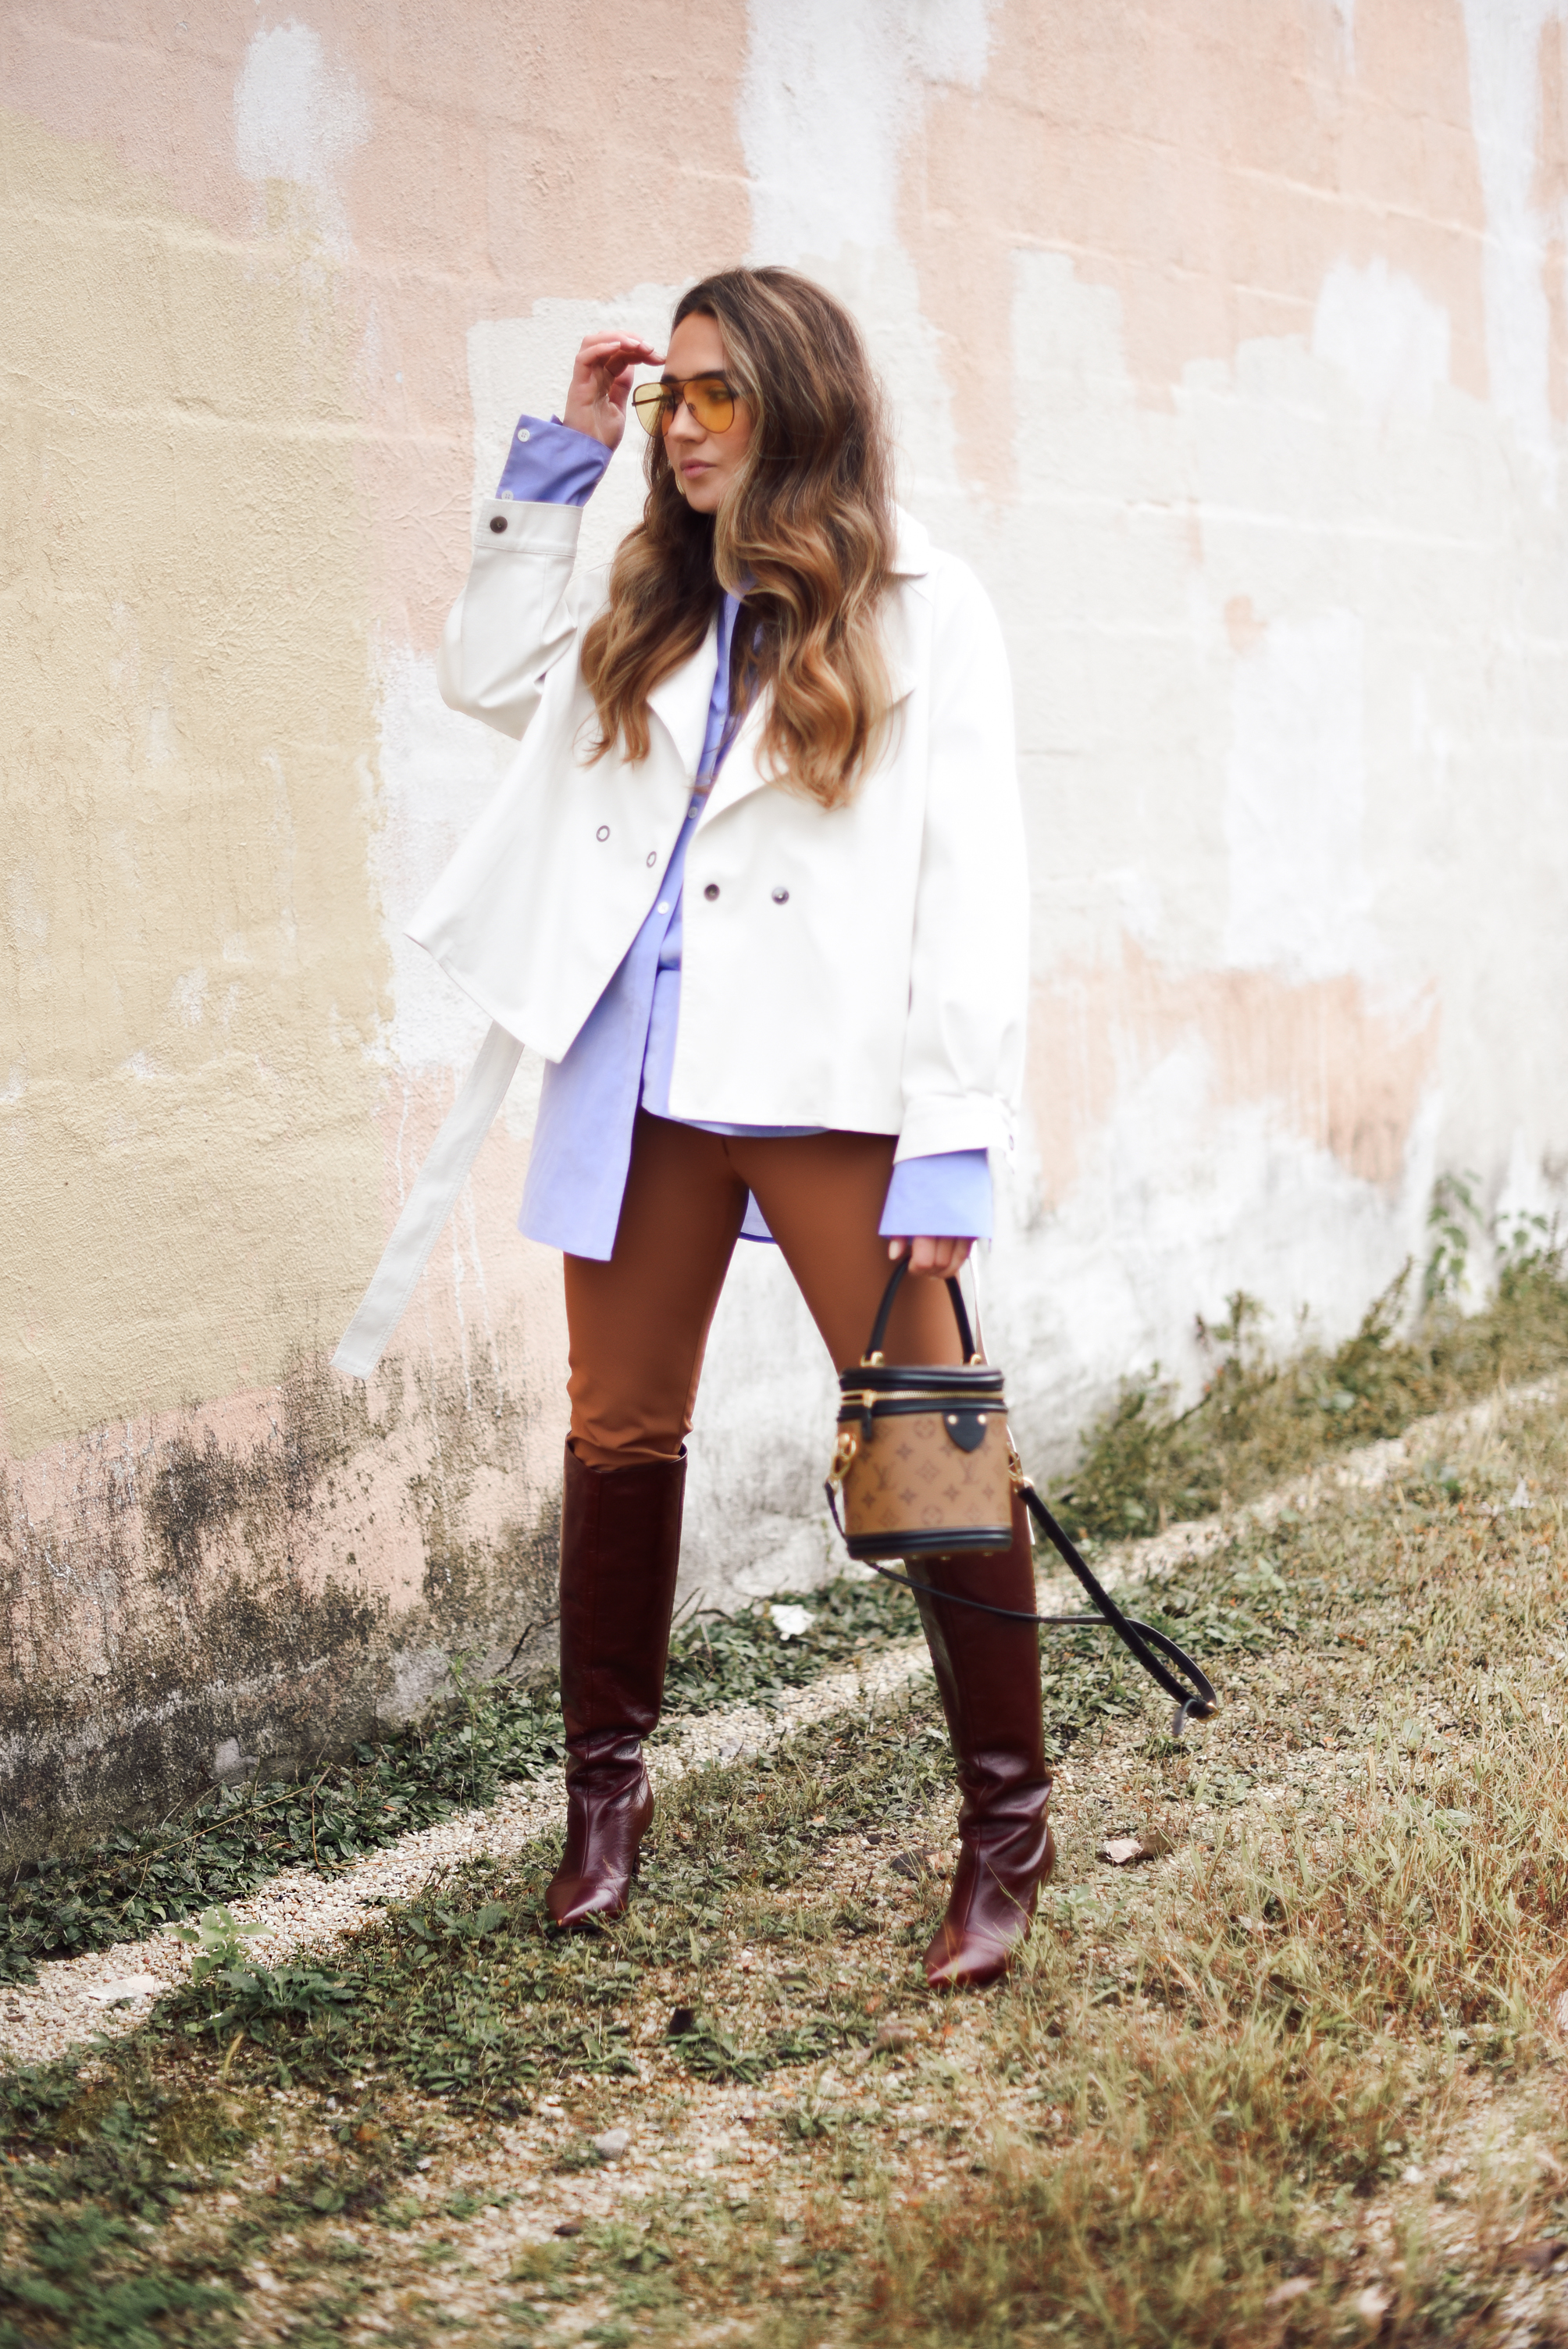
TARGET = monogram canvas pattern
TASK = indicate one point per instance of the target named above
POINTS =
(911, 1479)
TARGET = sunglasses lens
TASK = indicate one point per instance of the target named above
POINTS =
(713, 406)
(648, 400)
(711, 402)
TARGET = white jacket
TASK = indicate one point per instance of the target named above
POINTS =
(864, 968)
(884, 995)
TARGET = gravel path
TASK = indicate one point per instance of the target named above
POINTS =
(110, 1991)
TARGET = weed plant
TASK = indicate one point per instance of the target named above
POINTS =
(1260, 1420)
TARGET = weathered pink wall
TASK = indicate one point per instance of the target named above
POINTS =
(1231, 347)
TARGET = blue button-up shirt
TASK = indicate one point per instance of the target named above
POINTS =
(624, 1054)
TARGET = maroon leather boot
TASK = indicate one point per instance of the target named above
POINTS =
(988, 1676)
(620, 1548)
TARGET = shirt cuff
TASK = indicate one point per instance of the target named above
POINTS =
(550, 464)
(946, 1196)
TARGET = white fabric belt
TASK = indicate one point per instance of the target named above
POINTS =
(428, 1205)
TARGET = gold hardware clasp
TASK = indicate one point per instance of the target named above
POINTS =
(844, 1455)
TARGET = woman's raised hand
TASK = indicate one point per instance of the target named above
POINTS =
(601, 383)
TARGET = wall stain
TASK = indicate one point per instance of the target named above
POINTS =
(187, 1600)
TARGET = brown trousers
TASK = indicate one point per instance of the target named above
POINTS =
(638, 1325)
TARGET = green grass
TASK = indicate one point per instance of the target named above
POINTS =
(1314, 2049)
(1261, 1418)
(234, 1838)
(457, 1757)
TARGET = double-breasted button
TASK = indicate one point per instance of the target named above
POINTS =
(781, 897)
(711, 892)
(603, 832)
(498, 522)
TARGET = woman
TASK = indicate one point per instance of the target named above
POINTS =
(756, 889)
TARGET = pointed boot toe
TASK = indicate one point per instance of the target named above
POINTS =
(609, 1805)
(989, 1912)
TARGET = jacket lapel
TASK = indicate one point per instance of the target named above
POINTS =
(738, 776)
(680, 701)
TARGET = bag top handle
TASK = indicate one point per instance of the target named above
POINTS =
(873, 1355)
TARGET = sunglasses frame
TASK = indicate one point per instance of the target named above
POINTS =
(673, 398)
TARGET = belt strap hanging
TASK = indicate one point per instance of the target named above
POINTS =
(428, 1203)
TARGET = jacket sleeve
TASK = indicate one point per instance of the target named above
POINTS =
(519, 612)
(963, 1045)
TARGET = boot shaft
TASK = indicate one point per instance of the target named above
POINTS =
(988, 1669)
(620, 1554)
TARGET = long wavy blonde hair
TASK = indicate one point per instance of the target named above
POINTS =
(807, 531)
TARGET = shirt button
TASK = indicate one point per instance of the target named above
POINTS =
(498, 522)
(781, 897)
(525, 434)
(662, 907)
(603, 832)
(711, 892)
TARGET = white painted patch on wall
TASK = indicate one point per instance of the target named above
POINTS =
(525, 364)
(1505, 42)
(1378, 327)
(831, 92)
(1183, 1198)
(1296, 793)
(299, 119)
(189, 997)
(437, 769)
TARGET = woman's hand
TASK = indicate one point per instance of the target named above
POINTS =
(601, 383)
(944, 1258)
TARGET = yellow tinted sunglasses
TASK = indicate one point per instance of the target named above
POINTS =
(708, 397)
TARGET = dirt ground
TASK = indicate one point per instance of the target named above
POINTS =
(1297, 2074)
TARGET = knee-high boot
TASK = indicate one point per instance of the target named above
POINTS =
(988, 1675)
(620, 1549)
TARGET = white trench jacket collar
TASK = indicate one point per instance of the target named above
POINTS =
(864, 968)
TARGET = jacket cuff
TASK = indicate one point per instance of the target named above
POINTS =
(936, 1124)
(511, 526)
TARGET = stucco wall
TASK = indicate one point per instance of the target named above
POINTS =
(1230, 345)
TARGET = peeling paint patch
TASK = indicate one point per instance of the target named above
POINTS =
(1345, 1077)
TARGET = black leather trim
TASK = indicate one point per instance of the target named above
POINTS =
(930, 1545)
(972, 1382)
(956, 1406)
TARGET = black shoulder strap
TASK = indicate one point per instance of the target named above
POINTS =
(1197, 1702)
